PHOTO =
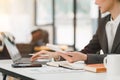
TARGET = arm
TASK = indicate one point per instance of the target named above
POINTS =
(98, 42)
(92, 50)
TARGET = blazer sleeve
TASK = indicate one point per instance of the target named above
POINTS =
(95, 58)
(93, 51)
(93, 48)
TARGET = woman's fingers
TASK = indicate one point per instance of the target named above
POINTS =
(39, 55)
(34, 58)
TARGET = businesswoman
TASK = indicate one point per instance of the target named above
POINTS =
(106, 38)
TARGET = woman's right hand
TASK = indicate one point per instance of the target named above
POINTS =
(44, 55)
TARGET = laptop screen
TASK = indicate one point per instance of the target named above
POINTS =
(12, 50)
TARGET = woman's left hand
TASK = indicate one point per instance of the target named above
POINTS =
(73, 56)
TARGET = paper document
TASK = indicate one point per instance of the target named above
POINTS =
(65, 64)
(55, 48)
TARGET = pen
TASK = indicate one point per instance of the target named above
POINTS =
(69, 67)
(65, 67)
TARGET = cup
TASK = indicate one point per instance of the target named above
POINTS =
(112, 63)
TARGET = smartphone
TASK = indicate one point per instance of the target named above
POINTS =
(16, 65)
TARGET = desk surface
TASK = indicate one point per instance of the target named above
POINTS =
(48, 73)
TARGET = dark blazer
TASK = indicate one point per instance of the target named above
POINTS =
(99, 41)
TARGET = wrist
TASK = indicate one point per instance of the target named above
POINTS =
(84, 57)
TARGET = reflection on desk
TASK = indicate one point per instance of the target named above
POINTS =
(48, 73)
(49, 69)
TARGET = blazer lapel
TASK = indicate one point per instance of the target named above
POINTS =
(105, 43)
(117, 39)
(104, 38)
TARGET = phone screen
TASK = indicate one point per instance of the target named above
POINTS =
(26, 65)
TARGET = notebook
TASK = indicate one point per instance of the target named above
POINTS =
(16, 55)
(98, 68)
(65, 64)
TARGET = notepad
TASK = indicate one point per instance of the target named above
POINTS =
(65, 64)
(95, 68)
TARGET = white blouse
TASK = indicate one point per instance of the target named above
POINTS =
(111, 28)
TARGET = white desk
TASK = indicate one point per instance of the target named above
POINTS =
(41, 74)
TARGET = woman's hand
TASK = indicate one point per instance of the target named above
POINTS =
(73, 56)
(44, 55)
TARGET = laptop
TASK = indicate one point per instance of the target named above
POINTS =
(16, 55)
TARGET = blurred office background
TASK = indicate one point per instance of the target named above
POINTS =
(69, 22)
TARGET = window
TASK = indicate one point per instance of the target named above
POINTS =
(64, 22)
(70, 28)
(43, 13)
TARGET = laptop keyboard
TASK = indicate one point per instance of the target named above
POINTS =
(24, 61)
(27, 61)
